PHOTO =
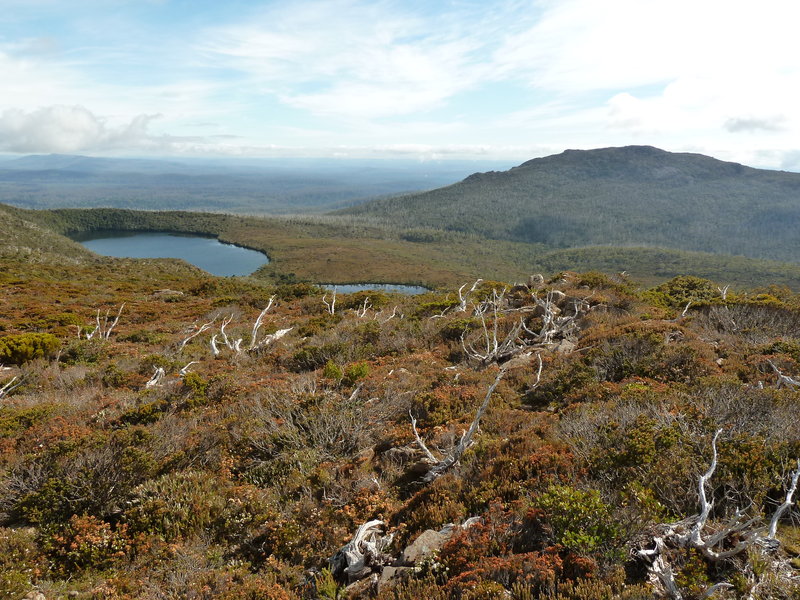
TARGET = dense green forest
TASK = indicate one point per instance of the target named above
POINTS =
(166, 434)
(630, 196)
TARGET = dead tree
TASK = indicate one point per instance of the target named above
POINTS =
(204, 327)
(156, 378)
(493, 347)
(257, 324)
(732, 538)
(362, 555)
(103, 330)
(783, 380)
(440, 466)
(464, 298)
(361, 311)
(330, 306)
(10, 386)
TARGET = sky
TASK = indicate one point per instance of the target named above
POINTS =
(421, 79)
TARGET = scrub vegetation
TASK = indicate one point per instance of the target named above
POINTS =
(138, 463)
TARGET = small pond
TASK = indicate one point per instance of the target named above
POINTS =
(391, 288)
(208, 253)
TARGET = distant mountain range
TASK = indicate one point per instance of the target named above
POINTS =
(256, 186)
(628, 196)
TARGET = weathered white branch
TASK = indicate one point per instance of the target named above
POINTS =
(185, 369)
(355, 559)
(361, 311)
(391, 316)
(271, 338)
(783, 379)
(103, 330)
(156, 378)
(225, 322)
(10, 386)
(465, 442)
(723, 291)
(201, 329)
(214, 348)
(331, 306)
(420, 443)
(787, 503)
(257, 324)
(705, 505)
(463, 298)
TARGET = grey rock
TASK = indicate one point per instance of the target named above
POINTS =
(429, 541)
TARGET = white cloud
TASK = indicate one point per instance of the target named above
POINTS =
(353, 59)
(65, 129)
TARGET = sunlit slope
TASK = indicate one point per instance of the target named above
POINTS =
(630, 196)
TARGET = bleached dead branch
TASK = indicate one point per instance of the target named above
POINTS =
(156, 378)
(783, 380)
(257, 324)
(204, 327)
(723, 291)
(185, 369)
(271, 338)
(356, 559)
(10, 386)
(732, 538)
(103, 329)
(361, 311)
(464, 298)
(439, 467)
(330, 306)
(788, 502)
(391, 316)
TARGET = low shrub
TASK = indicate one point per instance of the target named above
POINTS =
(18, 349)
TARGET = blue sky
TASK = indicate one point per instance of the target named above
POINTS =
(412, 79)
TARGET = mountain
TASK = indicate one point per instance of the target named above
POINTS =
(633, 195)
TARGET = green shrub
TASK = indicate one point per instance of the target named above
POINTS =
(678, 291)
(182, 504)
(145, 414)
(21, 348)
(580, 520)
(83, 352)
(14, 420)
(20, 561)
(332, 371)
(354, 372)
(317, 325)
(314, 357)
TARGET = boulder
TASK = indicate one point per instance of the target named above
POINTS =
(428, 542)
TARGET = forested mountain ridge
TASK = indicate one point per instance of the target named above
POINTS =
(633, 195)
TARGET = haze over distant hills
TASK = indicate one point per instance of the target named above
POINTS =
(258, 186)
(633, 195)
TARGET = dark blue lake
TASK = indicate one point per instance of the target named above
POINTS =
(208, 253)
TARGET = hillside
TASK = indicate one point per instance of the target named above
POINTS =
(630, 196)
(344, 250)
(144, 458)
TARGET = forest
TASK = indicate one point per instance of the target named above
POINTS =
(628, 196)
(582, 436)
